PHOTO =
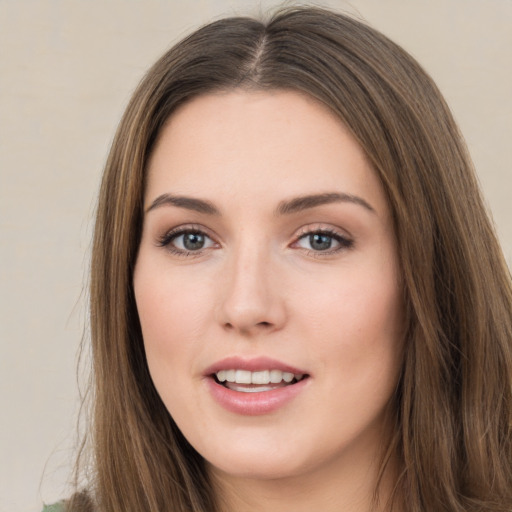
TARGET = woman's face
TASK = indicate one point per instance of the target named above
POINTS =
(268, 256)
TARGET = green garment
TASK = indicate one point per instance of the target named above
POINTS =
(57, 507)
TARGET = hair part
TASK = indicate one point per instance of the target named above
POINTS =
(452, 408)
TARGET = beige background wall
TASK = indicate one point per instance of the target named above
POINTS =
(67, 68)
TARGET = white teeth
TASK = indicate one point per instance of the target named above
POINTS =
(245, 389)
(243, 377)
(287, 377)
(261, 377)
(276, 376)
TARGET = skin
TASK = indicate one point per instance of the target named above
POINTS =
(259, 286)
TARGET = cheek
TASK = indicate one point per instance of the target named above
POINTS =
(356, 322)
(172, 316)
(360, 353)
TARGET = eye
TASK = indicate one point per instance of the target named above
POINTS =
(186, 241)
(323, 241)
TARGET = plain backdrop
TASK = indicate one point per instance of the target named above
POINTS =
(67, 69)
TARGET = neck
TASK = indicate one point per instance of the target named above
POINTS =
(354, 488)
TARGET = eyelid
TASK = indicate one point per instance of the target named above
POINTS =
(165, 240)
(345, 240)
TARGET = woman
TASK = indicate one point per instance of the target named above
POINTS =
(297, 299)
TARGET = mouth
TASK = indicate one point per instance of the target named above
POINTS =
(246, 381)
(255, 386)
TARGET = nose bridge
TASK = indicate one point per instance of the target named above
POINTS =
(251, 299)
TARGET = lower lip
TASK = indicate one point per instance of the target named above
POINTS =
(254, 404)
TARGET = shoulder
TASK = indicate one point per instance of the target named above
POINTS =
(56, 507)
(79, 502)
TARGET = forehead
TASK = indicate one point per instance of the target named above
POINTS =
(259, 143)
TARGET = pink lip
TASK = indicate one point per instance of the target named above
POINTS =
(253, 365)
(253, 404)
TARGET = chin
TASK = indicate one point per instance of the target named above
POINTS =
(254, 459)
(259, 470)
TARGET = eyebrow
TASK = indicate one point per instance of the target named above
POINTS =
(189, 203)
(311, 201)
(287, 207)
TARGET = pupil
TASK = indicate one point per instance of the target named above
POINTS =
(193, 241)
(320, 242)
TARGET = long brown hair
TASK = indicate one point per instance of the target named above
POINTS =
(453, 401)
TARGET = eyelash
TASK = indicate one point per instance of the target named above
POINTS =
(344, 242)
(166, 240)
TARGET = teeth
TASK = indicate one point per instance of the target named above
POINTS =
(287, 377)
(243, 377)
(245, 389)
(262, 377)
(276, 376)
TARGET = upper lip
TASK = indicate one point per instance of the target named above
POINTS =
(255, 364)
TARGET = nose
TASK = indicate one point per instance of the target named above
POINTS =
(252, 296)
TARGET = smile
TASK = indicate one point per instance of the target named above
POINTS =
(245, 381)
(253, 387)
